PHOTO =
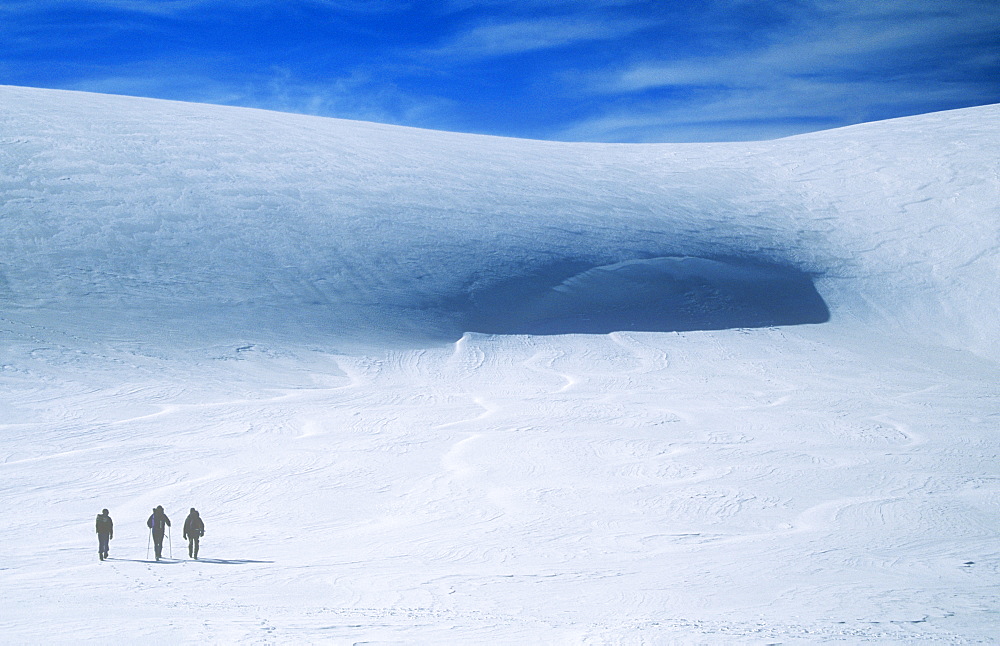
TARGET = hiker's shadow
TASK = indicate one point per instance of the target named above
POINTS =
(170, 561)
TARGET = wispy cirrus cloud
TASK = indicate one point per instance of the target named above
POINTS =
(152, 7)
(608, 70)
(493, 39)
(859, 44)
(359, 94)
(764, 112)
(534, 5)
(179, 7)
(830, 64)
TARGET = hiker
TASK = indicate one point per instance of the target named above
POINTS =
(194, 528)
(158, 523)
(105, 532)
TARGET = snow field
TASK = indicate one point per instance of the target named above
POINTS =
(266, 317)
(519, 489)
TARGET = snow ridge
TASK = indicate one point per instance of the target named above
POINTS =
(211, 217)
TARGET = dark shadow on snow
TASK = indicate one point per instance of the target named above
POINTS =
(170, 561)
(230, 561)
(670, 294)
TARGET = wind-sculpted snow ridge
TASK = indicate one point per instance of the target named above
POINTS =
(156, 218)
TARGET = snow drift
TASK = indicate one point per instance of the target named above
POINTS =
(149, 215)
(438, 388)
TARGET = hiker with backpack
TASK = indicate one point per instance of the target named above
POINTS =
(158, 523)
(194, 529)
(105, 532)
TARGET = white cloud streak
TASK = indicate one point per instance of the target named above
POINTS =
(809, 64)
(165, 8)
(152, 7)
(849, 59)
(358, 95)
(766, 112)
(515, 37)
(856, 43)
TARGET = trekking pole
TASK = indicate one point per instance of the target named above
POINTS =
(170, 542)
(148, 538)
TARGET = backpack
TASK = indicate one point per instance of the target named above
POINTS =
(157, 522)
(104, 524)
(196, 525)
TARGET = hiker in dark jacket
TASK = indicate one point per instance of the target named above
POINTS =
(194, 529)
(158, 523)
(105, 532)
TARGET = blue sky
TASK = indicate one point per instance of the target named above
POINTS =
(590, 70)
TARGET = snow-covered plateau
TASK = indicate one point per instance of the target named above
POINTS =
(438, 388)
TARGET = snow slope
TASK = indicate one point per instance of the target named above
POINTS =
(439, 388)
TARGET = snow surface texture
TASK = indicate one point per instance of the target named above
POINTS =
(439, 388)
